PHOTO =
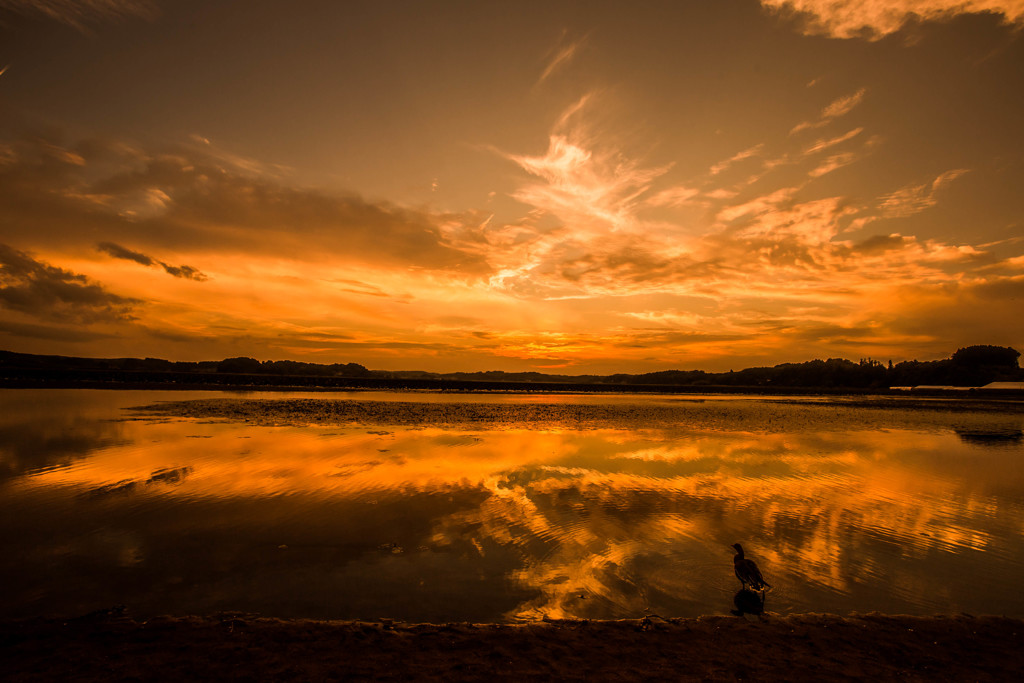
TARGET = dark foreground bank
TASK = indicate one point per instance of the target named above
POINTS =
(231, 647)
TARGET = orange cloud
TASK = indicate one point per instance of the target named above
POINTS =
(612, 262)
(739, 156)
(916, 198)
(583, 188)
(781, 250)
(875, 19)
(840, 107)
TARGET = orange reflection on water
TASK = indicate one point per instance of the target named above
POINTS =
(609, 522)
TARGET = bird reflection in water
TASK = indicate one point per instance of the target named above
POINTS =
(748, 600)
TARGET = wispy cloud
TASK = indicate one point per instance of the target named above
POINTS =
(680, 195)
(832, 163)
(358, 287)
(837, 108)
(739, 156)
(591, 190)
(913, 199)
(824, 144)
(560, 56)
(843, 105)
(876, 19)
(771, 246)
(81, 14)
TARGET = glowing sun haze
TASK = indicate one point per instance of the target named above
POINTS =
(574, 187)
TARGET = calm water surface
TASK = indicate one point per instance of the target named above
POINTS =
(432, 507)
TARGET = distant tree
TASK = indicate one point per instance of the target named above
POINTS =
(351, 370)
(979, 365)
(146, 364)
(985, 355)
(240, 364)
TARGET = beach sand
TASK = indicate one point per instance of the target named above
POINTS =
(236, 647)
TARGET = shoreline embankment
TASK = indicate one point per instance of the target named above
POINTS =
(233, 646)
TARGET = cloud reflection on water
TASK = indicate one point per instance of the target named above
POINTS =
(415, 522)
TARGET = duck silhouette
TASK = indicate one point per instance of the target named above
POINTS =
(747, 571)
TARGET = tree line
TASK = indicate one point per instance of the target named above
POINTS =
(971, 366)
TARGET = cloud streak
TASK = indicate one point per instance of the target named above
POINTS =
(560, 57)
(117, 251)
(837, 108)
(81, 14)
(913, 199)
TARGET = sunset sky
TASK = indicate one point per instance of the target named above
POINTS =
(569, 187)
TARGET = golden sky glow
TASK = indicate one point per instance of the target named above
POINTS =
(553, 186)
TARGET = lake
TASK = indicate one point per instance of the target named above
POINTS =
(505, 507)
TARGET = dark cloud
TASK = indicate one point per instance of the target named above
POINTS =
(967, 313)
(176, 336)
(1002, 289)
(830, 332)
(117, 251)
(192, 198)
(661, 338)
(880, 243)
(50, 333)
(44, 291)
(186, 272)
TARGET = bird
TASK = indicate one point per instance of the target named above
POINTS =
(747, 571)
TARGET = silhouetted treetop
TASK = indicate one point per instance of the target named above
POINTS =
(238, 365)
(999, 356)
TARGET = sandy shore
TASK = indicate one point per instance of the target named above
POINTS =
(236, 647)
